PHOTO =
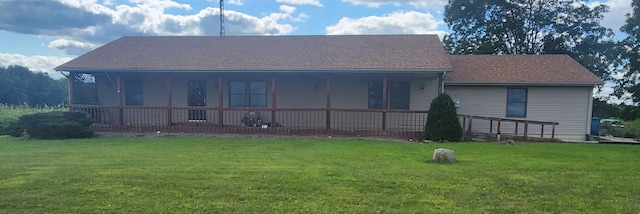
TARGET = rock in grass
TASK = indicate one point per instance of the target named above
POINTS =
(442, 155)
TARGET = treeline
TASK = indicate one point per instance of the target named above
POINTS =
(602, 109)
(20, 86)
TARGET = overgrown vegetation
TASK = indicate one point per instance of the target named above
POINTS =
(442, 121)
(52, 125)
(631, 129)
(10, 113)
(244, 175)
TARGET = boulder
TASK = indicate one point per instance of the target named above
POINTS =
(442, 155)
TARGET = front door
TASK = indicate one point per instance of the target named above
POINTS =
(196, 96)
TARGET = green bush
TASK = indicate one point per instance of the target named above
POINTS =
(9, 115)
(54, 125)
(442, 121)
(13, 129)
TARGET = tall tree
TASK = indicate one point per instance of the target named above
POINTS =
(19, 85)
(532, 27)
(631, 53)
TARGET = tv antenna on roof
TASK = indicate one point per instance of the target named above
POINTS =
(221, 17)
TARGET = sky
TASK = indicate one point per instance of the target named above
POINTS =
(42, 34)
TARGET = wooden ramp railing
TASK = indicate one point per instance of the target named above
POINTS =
(490, 127)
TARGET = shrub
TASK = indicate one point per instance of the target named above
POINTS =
(9, 115)
(55, 125)
(442, 121)
(13, 129)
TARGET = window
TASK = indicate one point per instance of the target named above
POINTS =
(85, 90)
(517, 102)
(133, 92)
(397, 95)
(247, 94)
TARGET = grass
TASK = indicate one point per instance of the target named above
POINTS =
(258, 175)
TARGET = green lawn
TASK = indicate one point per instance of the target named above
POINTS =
(267, 175)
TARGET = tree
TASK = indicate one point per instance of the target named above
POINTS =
(20, 86)
(602, 109)
(532, 27)
(631, 54)
(442, 120)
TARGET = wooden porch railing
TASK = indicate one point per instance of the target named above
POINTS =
(515, 127)
(296, 121)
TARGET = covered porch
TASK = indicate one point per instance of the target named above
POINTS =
(354, 104)
(371, 104)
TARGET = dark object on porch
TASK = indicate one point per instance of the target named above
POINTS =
(442, 121)
(253, 119)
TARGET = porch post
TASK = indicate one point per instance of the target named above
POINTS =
(169, 101)
(220, 100)
(384, 102)
(328, 111)
(440, 84)
(119, 90)
(71, 78)
(273, 99)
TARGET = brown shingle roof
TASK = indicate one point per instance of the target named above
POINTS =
(340, 52)
(518, 69)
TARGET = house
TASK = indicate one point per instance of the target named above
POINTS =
(535, 87)
(371, 85)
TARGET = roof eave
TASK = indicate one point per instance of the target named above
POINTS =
(523, 83)
(278, 70)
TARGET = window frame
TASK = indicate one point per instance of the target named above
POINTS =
(390, 97)
(128, 90)
(509, 112)
(248, 95)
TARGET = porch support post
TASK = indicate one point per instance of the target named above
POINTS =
(490, 126)
(119, 90)
(169, 101)
(71, 78)
(384, 102)
(328, 111)
(220, 100)
(469, 132)
(273, 99)
(440, 84)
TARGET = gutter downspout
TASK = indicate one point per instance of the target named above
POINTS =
(444, 73)
(590, 113)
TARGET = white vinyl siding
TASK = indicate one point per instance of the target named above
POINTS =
(569, 106)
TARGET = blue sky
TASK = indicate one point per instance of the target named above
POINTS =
(42, 34)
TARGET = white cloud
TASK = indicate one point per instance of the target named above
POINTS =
(85, 24)
(72, 47)
(434, 4)
(301, 2)
(287, 9)
(35, 63)
(411, 22)
(161, 4)
(235, 2)
(615, 18)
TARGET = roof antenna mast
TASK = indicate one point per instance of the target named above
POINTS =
(221, 17)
